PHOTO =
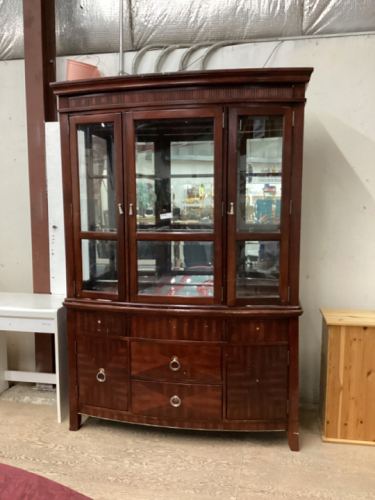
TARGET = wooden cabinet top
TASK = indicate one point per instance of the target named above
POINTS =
(348, 317)
(183, 79)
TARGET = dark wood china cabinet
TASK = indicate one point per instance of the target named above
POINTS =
(182, 196)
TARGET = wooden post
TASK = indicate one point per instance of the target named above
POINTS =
(40, 56)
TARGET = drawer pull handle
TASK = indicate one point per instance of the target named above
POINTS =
(174, 365)
(100, 376)
(175, 401)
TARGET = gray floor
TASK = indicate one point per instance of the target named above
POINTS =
(29, 393)
(111, 460)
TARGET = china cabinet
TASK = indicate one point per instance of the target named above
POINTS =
(182, 196)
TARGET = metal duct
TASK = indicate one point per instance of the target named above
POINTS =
(92, 26)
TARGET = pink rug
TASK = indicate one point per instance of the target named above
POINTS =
(18, 484)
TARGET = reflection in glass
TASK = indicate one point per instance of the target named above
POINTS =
(257, 269)
(259, 171)
(175, 174)
(175, 268)
(96, 159)
(99, 266)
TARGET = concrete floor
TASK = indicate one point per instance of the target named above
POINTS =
(111, 460)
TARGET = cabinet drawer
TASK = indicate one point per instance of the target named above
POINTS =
(176, 361)
(173, 328)
(102, 372)
(177, 401)
(100, 323)
(275, 330)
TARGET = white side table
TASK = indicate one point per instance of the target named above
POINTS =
(36, 313)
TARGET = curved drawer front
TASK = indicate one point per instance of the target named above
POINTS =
(177, 401)
(176, 361)
(267, 330)
(100, 323)
(176, 328)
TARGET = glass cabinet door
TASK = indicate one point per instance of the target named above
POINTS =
(175, 205)
(259, 161)
(97, 193)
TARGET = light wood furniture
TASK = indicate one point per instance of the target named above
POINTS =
(347, 391)
(175, 322)
(41, 313)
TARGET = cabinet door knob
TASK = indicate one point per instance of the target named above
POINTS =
(231, 210)
(131, 209)
(120, 210)
(174, 365)
(175, 401)
(100, 376)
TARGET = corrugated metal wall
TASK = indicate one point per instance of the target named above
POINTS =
(92, 26)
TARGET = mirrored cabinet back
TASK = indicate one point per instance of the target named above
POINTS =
(182, 202)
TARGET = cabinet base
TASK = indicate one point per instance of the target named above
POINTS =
(254, 425)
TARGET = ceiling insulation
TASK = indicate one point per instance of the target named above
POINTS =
(92, 26)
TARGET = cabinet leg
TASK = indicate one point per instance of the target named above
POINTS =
(75, 421)
(293, 386)
(293, 439)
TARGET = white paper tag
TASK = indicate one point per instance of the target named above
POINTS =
(166, 216)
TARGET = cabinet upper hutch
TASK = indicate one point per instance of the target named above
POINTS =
(182, 199)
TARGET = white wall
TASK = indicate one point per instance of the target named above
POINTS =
(15, 225)
(338, 212)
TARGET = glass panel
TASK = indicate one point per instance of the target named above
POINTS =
(257, 269)
(176, 268)
(259, 170)
(175, 174)
(96, 157)
(99, 266)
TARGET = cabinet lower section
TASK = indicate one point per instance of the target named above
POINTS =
(196, 372)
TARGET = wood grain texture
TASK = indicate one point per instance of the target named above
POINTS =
(109, 356)
(323, 374)
(171, 97)
(257, 382)
(263, 76)
(350, 390)
(176, 328)
(293, 386)
(101, 323)
(211, 425)
(355, 317)
(191, 362)
(296, 199)
(200, 312)
(257, 330)
(197, 402)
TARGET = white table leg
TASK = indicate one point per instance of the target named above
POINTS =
(4, 385)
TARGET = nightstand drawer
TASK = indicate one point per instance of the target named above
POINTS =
(176, 361)
(176, 328)
(177, 401)
(100, 323)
